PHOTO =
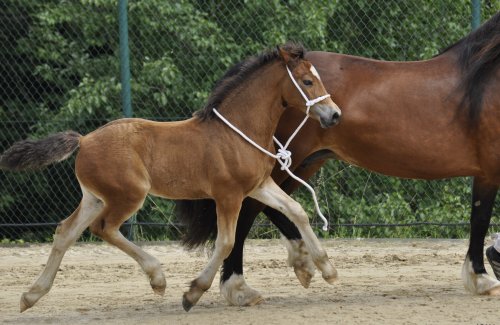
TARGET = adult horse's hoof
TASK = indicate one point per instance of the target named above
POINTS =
(494, 291)
(301, 261)
(238, 293)
(479, 284)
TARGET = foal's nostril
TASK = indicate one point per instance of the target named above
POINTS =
(335, 118)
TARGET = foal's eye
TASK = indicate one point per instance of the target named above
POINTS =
(307, 82)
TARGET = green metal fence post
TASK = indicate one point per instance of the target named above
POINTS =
(476, 14)
(125, 77)
(124, 59)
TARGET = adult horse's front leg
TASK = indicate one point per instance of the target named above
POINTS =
(228, 209)
(272, 195)
(474, 275)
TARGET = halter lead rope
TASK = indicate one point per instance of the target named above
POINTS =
(284, 156)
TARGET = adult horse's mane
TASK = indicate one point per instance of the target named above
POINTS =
(240, 72)
(478, 57)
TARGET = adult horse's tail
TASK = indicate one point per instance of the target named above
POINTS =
(36, 154)
(199, 218)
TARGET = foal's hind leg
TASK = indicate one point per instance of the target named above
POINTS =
(66, 234)
(273, 196)
(227, 217)
(474, 275)
(107, 227)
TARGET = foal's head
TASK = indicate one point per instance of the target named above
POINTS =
(308, 80)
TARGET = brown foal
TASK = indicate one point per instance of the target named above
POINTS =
(120, 163)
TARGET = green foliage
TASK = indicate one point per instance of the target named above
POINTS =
(59, 69)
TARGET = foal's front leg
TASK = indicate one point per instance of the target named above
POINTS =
(272, 195)
(228, 210)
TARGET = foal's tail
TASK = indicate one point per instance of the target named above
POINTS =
(36, 154)
(199, 219)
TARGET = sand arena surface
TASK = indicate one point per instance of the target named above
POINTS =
(380, 282)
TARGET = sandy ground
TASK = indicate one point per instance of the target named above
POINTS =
(381, 282)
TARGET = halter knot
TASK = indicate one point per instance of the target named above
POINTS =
(285, 157)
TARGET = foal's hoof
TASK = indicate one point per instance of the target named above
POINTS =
(331, 278)
(191, 297)
(158, 282)
(331, 275)
(159, 290)
(159, 285)
(186, 304)
(304, 275)
(25, 303)
(301, 260)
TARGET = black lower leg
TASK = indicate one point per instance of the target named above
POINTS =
(483, 198)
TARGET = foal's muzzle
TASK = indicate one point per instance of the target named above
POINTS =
(327, 116)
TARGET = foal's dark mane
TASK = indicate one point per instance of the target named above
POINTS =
(241, 72)
(478, 57)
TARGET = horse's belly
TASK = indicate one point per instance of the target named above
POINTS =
(415, 165)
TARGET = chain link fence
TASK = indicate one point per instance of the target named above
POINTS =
(59, 69)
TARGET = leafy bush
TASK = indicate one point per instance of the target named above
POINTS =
(59, 70)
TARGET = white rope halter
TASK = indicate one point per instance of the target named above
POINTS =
(284, 156)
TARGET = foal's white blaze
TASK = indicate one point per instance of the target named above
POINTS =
(315, 72)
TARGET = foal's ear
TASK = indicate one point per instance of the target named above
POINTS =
(284, 55)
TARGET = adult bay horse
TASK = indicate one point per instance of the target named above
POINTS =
(430, 119)
(120, 163)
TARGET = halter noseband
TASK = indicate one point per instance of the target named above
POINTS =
(309, 102)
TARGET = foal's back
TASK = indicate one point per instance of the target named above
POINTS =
(177, 160)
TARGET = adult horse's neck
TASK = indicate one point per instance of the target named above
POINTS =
(255, 106)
